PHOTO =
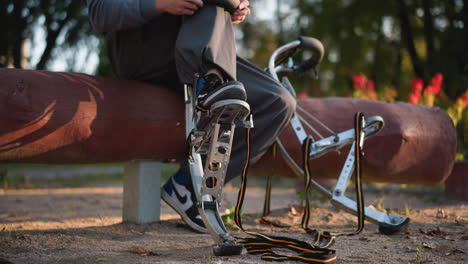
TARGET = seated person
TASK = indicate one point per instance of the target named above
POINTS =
(170, 43)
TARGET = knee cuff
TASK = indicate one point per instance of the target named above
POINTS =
(230, 5)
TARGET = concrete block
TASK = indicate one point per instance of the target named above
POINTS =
(141, 198)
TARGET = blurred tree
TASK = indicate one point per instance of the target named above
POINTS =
(14, 30)
(64, 24)
(258, 41)
(391, 41)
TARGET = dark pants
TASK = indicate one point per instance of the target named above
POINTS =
(170, 50)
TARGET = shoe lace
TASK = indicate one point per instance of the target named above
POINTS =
(211, 80)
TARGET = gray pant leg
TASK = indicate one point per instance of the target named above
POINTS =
(272, 107)
(205, 41)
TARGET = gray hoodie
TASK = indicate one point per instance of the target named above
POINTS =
(115, 15)
(140, 40)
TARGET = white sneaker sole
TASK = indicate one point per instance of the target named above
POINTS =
(173, 204)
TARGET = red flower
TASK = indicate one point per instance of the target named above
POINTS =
(436, 83)
(370, 86)
(359, 81)
(302, 95)
(464, 98)
(437, 79)
(417, 85)
(437, 89)
(432, 90)
(414, 98)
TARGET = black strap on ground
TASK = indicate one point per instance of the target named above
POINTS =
(261, 244)
(318, 251)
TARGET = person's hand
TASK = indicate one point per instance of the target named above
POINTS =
(178, 7)
(241, 13)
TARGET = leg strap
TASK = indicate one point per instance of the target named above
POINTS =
(230, 5)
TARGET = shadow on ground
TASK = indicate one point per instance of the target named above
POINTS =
(83, 225)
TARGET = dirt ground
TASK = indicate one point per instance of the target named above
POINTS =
(84, 225)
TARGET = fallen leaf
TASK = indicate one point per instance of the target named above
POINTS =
(296, 210)
(70, 207)
(142, 252)
(438, 231)
(119, 230)
(363, 238)
(443, 249)
(465, 237)
(410, 249)
(428, 245)
(441, 213)
(136, 250)
(102, 259)
(434, 232)
(450, 238)
(460, 221)
(458, 251)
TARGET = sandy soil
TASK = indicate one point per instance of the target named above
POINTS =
(84, 225)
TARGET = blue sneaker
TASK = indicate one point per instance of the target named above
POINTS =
(178, 193)
(211, 89)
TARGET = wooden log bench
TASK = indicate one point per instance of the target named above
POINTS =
(71, 118)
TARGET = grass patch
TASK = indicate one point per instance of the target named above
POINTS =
(434, 198)
(228, 218)
(407, 209)
(11, 175)
(315, 198)
(419, 253)
(5, 234)
(168, 170)
(88, 180)
(39, 165)
(11, 181)
(22, 182)
(380, 205)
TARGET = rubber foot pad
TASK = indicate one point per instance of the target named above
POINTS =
(228, 249)
(387, 229)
